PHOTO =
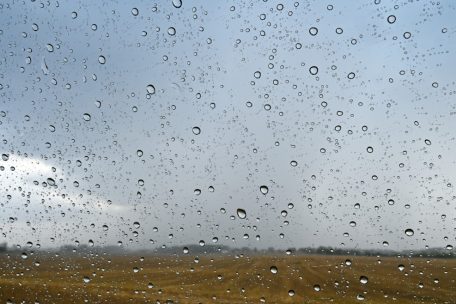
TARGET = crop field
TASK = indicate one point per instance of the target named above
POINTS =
(225, 279)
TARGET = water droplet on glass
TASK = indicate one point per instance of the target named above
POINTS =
(177, 3)
(171, 31)
(273, 269)
(86, 116)
(101, 59)
(241, 213)
(196, 130)
(150, 89)
(391, 19)
(363, 279)
(134, 11)
(409, 232)
(313, 70)
(264, 189)
(313, 31)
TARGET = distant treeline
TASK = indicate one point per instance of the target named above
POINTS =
(194, 250)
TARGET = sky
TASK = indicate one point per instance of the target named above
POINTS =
(152, 124)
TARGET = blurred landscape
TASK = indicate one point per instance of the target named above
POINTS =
(221, 274)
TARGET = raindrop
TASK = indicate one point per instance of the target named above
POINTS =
(257, 74)
(171, 31)
(134, 11)
(264, 190)
(313, 70)
(86, 279)
(101, 59)
(241, 213)
(391, 19)
(196, 130)
(360, 297)
(86, 116)
(274, 269)
(150, 89)
(5, 157)
(313, 31)
(363, 279)
(427, 142)
(409, 232)
(370, 149)
(293, 163)
(177, 3)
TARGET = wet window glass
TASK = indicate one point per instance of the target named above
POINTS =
(227, 151)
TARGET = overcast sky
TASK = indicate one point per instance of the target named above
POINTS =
(173, 116)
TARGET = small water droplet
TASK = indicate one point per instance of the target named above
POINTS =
(274, 269)
(409, 232)
(87, 117)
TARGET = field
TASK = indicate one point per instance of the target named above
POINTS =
(225, 279)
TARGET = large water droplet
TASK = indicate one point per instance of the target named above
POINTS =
(391, 19)
(101, 59)
(177, 3)
(409, 232)
(313, 70)
(264, 190)
(150, 89)
(196, 130)
(241, 213)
